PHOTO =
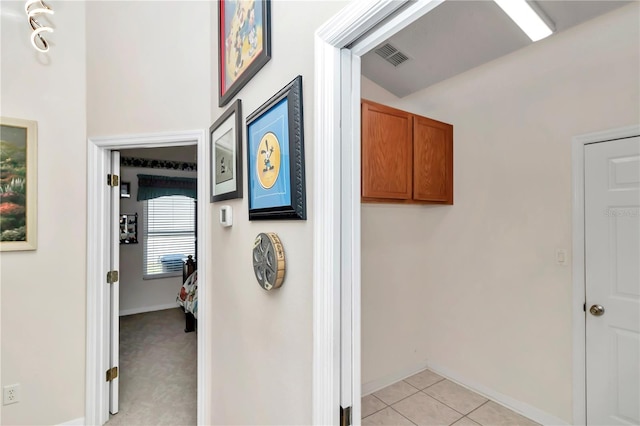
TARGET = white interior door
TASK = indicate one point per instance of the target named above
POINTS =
(612, 258)
(114, 308)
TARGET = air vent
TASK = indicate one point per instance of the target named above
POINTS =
(391, 54)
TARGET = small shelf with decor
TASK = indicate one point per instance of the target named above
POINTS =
(129, 228)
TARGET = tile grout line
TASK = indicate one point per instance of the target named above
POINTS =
(409, 420)
(418, 390)
(408, 396)
(415, 393)
(435, 398)
(389, 406)
(488, 400)
(377, 411)
(432, 384)
(442, 402)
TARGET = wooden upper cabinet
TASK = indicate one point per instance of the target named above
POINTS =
(406, 158)
(387, 152)
(432, 161)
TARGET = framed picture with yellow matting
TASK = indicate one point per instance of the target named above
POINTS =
(244, 34)
(275, 157)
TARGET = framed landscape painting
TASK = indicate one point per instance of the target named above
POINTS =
(18, 184)
(244, 33)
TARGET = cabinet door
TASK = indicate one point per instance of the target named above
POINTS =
(432, 160)
(386, 152)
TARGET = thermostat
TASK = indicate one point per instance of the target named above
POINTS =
(226, 216)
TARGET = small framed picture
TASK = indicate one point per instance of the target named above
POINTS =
(18, 184)
(125, 190)
(244, 32)
(226, 154)
(275, 157)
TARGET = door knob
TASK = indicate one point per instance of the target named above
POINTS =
(596, 310)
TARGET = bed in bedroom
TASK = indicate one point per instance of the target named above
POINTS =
(188, 296)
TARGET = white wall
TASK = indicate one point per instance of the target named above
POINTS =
(262, 341)
(43, 291)
(474, 287)
(136, 294)
(370, 90)
(148, 66)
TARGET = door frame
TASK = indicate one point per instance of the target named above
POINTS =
(578, 257)
(339, 44)
(98, 243)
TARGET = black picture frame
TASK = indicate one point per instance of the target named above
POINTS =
(277, 185)
(225, 142)
(125, 190)
(244, 44)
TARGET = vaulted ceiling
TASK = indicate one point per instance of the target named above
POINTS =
(459, 35)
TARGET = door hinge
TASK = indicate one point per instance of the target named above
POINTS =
(345, 416)
(584, 307)
(112, 373)
(112, 277)
(113, 180)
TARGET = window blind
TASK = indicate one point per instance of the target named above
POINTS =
(169, 235)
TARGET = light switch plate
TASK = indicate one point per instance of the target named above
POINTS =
(561, 257)
(226, 216)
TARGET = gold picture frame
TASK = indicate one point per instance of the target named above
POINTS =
(18, 184)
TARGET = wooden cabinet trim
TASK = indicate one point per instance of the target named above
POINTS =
(387, 176)
(436, 183)
(422, 188)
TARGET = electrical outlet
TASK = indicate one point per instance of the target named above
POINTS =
(11, 394)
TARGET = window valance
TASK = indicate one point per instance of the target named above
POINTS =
(152, 186)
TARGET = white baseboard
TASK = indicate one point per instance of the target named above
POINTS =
(74, 422)
(519, 407)
(376, 385)
(144, 309)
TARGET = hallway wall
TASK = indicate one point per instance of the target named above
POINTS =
(262, 342)
(43, 291)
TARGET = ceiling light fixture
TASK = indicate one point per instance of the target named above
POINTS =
(33, 10)
(529, 20)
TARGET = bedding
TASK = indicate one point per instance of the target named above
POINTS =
(188, 296)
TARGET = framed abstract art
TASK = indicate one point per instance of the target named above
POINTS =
(244, 31)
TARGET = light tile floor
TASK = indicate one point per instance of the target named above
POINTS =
(427, 399)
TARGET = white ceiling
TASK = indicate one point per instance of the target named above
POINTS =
(459, 35)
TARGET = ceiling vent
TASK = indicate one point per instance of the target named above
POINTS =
(391, 54)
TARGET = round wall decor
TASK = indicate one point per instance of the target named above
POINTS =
(268, 260)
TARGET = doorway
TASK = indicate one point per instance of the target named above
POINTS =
(337, 235)
(98, 263)
(606, 312)
(340, 43)
(157, 358)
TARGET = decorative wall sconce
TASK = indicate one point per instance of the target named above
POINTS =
(33, 8)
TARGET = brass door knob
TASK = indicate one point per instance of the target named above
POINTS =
(596, 310)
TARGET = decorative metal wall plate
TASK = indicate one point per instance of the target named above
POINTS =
(268, 260)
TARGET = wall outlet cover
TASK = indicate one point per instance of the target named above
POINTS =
(11, 394)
